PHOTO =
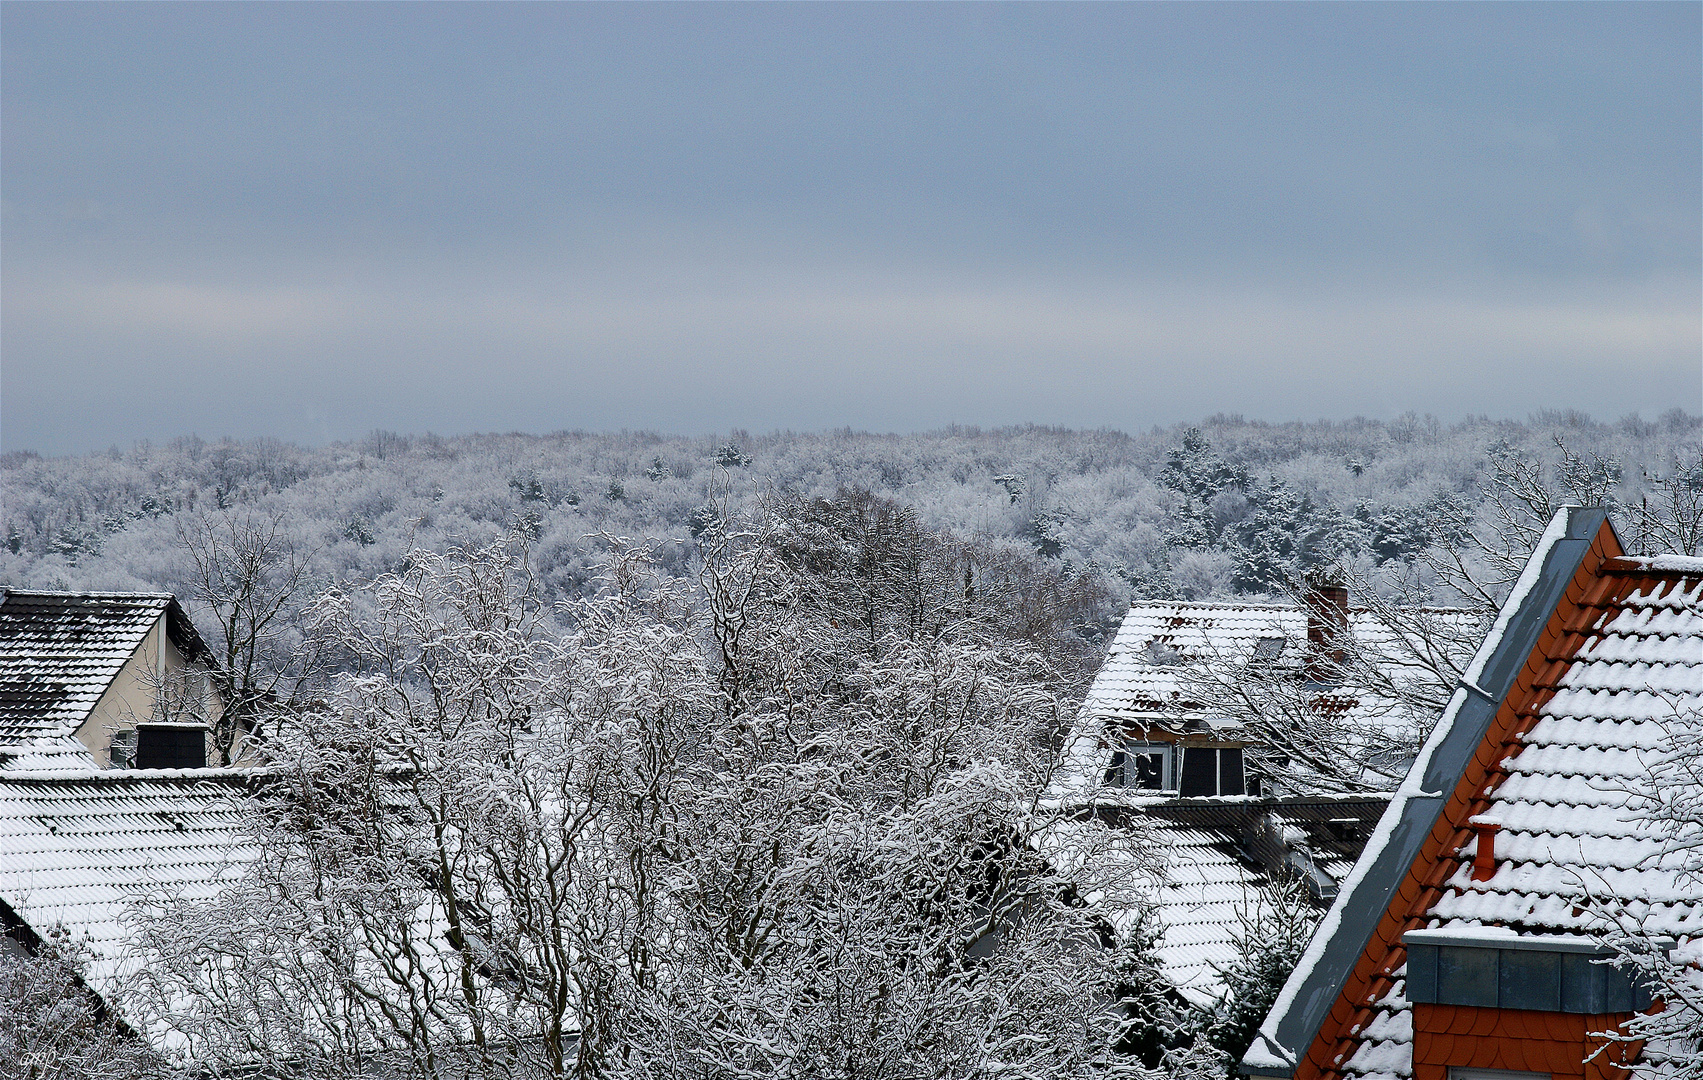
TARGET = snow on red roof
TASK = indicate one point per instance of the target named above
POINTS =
(1620, 655)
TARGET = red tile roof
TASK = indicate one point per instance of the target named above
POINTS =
(1620, 654)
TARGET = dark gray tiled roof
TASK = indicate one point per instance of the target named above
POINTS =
(1219, 853)
(60, 651)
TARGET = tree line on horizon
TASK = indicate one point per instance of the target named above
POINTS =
(1220, 509)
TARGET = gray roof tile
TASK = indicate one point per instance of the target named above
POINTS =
(76, 848)
(60, 651)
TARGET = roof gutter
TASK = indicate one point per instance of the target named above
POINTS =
(1340, 940)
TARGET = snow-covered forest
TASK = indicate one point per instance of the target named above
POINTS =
(691, 749)
(1224, 507)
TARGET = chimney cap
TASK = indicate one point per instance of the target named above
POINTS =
(1317, 578)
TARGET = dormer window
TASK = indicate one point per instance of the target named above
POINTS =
(1212, 770)
(1181, 768)
(1143, 766)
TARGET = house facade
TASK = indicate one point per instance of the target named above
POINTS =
(1468, 941)
(123, 677)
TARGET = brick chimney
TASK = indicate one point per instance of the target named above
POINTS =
(1327, 625)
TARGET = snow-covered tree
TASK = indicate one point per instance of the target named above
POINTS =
(53, 1028)
(1668, 515)
(1103, 501)
(785, 821)
(1208, 486)
(430, 860)
(864, 861)
(247, 581)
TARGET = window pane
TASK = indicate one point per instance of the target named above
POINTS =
(1150, 770)
(1200, 771)
(1115, 771)
(1230, 771)
(1269, 648)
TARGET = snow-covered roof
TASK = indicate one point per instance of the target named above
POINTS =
(77, 847)
(60, 651)
(79, 843)
(1143, 679)
(1213, 881)
(1219, 856)
(1592, 655)
(1152, 674)
(1562, 808)
(1203, 867)
(1479, 936)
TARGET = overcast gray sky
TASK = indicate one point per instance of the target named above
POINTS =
(312, 220)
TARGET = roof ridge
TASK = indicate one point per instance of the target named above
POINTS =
(1677, 565)
(100, 594)
(1214, 604)
(83, 774)
(1273, 605)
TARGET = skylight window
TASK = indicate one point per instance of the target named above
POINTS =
(1160, 654)
(1269, 648)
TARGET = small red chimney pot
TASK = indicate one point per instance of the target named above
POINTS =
(1484, 859)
